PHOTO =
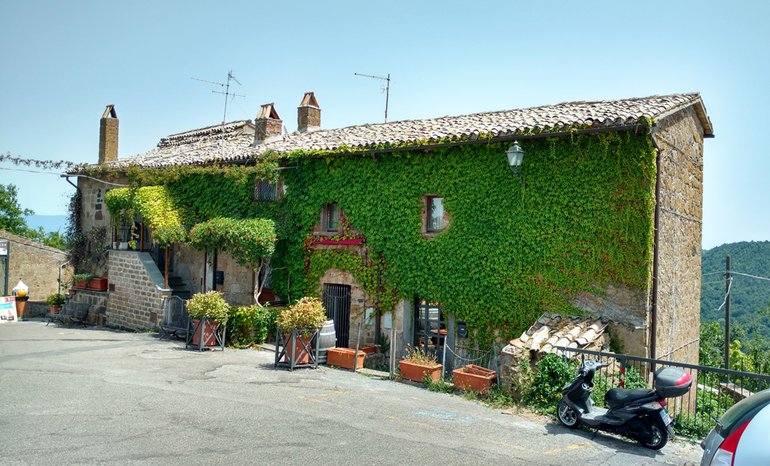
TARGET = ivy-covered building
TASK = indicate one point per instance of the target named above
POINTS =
(416, 229)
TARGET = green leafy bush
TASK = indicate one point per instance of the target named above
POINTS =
(56, 299)
(551, 375)
(250, 324)
(307, 313)
(211, 305)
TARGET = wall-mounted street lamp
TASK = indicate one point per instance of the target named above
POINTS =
(515, 157)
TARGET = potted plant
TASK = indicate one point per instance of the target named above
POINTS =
(209, 313)
(97, 283)
(55, 302)
(297, 324)
(418, 364)
(80, 280)
(473, 378)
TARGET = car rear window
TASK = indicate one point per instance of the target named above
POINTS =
(740, 409)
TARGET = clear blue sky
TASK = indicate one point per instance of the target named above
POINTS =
(62, 62)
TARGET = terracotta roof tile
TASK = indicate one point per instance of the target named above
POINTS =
(552, 330)
(220, 143)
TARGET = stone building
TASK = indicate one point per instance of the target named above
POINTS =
(656, 317)
(39, 266)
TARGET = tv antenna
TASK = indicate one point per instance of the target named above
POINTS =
(386, 89)
(227, 92)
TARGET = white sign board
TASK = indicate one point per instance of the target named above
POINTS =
(8, 309)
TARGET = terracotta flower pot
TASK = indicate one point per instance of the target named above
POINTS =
(417, 372)
(473, 378)
(97, 284)
(345, 357)
(54, 309)
(369, 349)
(80, 284)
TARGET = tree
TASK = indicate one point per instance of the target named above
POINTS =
(11, 213)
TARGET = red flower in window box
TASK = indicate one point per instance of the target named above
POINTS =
(340, 242)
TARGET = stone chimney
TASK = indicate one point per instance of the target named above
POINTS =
(308, 114)
(268, 125)
(108, 135)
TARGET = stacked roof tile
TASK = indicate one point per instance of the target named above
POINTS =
(551, 331)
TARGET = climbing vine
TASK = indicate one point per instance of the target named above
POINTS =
(578, 217)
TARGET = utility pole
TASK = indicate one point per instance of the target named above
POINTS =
(728, 282)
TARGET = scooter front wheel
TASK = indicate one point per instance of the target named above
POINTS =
(567, 415)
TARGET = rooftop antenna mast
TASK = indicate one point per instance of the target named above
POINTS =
(227, 92)
(386, 89)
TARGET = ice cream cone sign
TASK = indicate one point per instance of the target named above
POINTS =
(20, 290)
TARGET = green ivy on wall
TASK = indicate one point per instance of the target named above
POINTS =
(364, 273)
(579, 217)
(155, 205)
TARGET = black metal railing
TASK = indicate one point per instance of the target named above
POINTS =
(713, 390)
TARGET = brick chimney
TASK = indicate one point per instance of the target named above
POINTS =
(108, 135)
(268, 125)
(308, 114)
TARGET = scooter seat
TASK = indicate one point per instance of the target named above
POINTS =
(618, 396)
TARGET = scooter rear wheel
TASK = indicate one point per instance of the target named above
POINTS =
(659, 436)
(567, 416)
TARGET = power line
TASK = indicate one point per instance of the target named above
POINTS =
(751, 276)
(30, 171)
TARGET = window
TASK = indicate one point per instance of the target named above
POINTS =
(330, 217)
(435, 214)
(265, 191)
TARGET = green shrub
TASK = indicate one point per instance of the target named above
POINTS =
(211, 305)
(250, 324)
(306, 313)
(551, 375)
(56, 299)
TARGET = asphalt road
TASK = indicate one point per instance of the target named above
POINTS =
(95, 396)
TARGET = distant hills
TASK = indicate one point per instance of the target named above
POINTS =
(50, 223)
(747, 295)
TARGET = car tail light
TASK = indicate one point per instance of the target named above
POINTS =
(662, 402)
(725, 454)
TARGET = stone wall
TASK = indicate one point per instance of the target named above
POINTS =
(37, 265)
(679, 139)
(358, 304)
(136, 291)
(94, 213)
(238, 286)
(97, 299)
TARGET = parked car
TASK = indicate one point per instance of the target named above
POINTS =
(741, 436)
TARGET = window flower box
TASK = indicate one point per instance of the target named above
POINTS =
(473, 378)
(97, 284)
(340, 242)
